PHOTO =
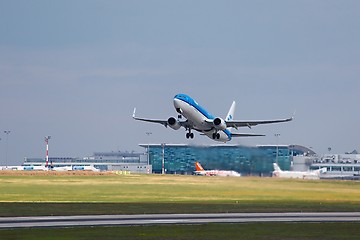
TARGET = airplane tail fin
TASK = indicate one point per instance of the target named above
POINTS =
(230, 115)
(276, 167)
(198, 167)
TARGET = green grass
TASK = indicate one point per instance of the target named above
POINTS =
(112, 194)
(170, 188)
(258, 231)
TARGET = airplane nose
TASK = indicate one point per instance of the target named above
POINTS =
(177, 105)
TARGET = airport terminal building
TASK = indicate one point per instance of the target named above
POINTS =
(181, 158)
(250, 161)
(103, 161)
(342, 166)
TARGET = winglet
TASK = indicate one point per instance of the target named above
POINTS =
(134, 113)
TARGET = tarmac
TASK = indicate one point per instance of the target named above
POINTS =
(156, 219)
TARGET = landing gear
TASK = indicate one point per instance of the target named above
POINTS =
(189, 135)
(216, 135)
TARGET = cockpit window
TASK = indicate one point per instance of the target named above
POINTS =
(181, 96)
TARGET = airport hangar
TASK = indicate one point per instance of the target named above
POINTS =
(180, 159)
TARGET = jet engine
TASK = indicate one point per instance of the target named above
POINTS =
(219, 124)
(173, 123)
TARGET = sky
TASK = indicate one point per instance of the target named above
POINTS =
(75, 70)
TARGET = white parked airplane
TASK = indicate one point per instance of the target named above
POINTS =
(36, 168)
(85, 168)
(200, 171)
(296, 174)
(202, 121)
(62, 169)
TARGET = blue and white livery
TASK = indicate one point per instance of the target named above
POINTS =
(198, 119)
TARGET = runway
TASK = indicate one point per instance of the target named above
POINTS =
(155, 219)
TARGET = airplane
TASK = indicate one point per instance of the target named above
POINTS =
(85, 168)
(200, 171)
(75, 168)
(62, 169)
(35, 168)
(297, 174)
(199, 119)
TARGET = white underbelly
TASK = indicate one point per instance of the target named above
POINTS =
(197, 119)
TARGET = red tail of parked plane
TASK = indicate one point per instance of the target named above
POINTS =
(198, 167)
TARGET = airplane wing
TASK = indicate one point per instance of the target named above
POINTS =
(160, 121)
(236, 124)
(163, 122)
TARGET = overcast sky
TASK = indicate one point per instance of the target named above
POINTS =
(76, 69)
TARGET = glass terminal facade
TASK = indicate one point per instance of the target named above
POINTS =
(181, 158)
(243, 159)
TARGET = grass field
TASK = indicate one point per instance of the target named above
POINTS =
(31, 194)
(115, 194)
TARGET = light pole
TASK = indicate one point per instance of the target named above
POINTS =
(163, 159)
(47, 150)
(148, 148)
(7, 132)
(277, 135)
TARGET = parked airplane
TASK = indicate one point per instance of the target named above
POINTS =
(296, 174)
(35, 168)
(85, 168)
(200, 171)
(75, 168)
(62, 169)
(200, 120)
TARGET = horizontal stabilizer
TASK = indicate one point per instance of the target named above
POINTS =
(246, 135)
